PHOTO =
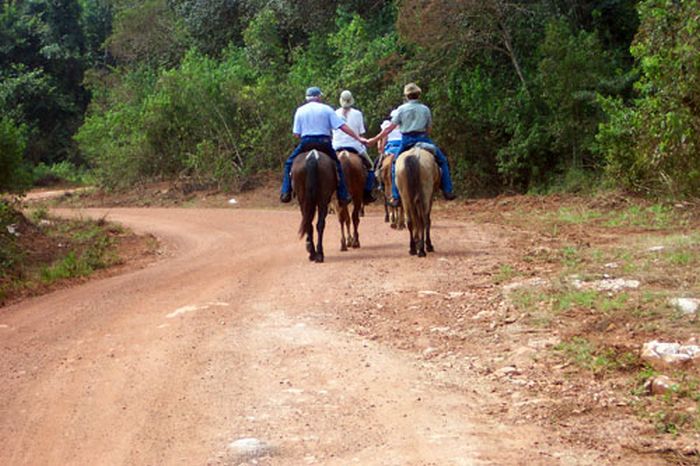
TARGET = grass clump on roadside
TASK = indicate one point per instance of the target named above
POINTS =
(595, 357)
(37, 251)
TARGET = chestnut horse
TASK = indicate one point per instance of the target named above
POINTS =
(397, 216)
(417, 178)
(355, 177)
(314, 180)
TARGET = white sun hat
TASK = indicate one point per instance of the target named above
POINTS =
(346, 99)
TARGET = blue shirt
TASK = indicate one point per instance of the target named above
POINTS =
(412, 117)
(316, 119)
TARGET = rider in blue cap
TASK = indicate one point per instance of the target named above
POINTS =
(314, 122)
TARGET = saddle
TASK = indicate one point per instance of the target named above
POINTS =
(427, 146)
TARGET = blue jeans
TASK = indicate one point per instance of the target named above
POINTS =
(392, 147)
(371, 178)
(408, 141)
(323, 144)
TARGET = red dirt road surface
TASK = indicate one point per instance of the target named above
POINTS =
(235, 335)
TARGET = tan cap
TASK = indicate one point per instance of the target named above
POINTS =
(346, 99)
(411, 88)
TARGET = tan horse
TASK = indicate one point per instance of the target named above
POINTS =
(417, 178)
(355, 177)
(314, 180)
(391, 214)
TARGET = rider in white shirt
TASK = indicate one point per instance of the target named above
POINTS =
(313, 125)
(342, 141)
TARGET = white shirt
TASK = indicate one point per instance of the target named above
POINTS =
(315, 119)
(356, 122)
(394, 135)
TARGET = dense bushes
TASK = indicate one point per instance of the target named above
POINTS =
(653, 145)
(526, 95)
(14, 175)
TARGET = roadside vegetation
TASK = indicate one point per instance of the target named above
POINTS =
(528, 96)
(39, 252)
(604, 277)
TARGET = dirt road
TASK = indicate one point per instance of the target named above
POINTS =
(235, 335)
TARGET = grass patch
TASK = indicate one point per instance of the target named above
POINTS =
(583, 353)
(655, 217)
(569, 299)
(505, 273)
(44, 251)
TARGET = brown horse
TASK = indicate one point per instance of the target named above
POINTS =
(314, 180)
(355, 177)
(418, 177)
(397, 216)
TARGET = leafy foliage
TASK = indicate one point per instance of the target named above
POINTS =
(13, 173)
(654, 143)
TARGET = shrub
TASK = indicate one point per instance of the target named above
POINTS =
(14, 177)
(653, 145)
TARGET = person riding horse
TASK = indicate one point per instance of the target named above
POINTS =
(313, 123)
(388, 145)
(414, 120)
(341, 141)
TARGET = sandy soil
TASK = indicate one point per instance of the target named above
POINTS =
(234, 334)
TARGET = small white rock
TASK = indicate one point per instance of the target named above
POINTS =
(660, 355)
(656, 248)
(250, 447)
(685, 305)
(232, 201)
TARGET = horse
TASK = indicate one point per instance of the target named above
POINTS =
(418, 177)
(314, 180)
(355, 177)
(397, 216)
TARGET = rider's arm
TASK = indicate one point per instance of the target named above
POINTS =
(384, 132)
(347, 130)
(381, 143)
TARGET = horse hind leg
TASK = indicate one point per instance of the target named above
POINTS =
(320, 226)
(412, 241)
(343, 241)
(355, 225)
(428, 242)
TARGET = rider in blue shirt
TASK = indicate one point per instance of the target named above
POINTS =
(313, 123)
(414, 120)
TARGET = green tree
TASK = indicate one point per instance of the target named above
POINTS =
(14, 176)
(654, 144)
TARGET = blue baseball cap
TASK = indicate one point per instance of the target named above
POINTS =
(314, 92)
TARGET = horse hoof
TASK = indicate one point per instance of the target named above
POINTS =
(430, 248)
(343, 248)
(319, 258)
(421, 253)
(393, 225)
(356, 244)
(412, 252)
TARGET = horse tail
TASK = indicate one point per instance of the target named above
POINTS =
(311, 194)
(415, 191)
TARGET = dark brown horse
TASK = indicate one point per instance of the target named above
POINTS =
(355, 177)
(397, 216)
(418, 177)
(314, 180)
